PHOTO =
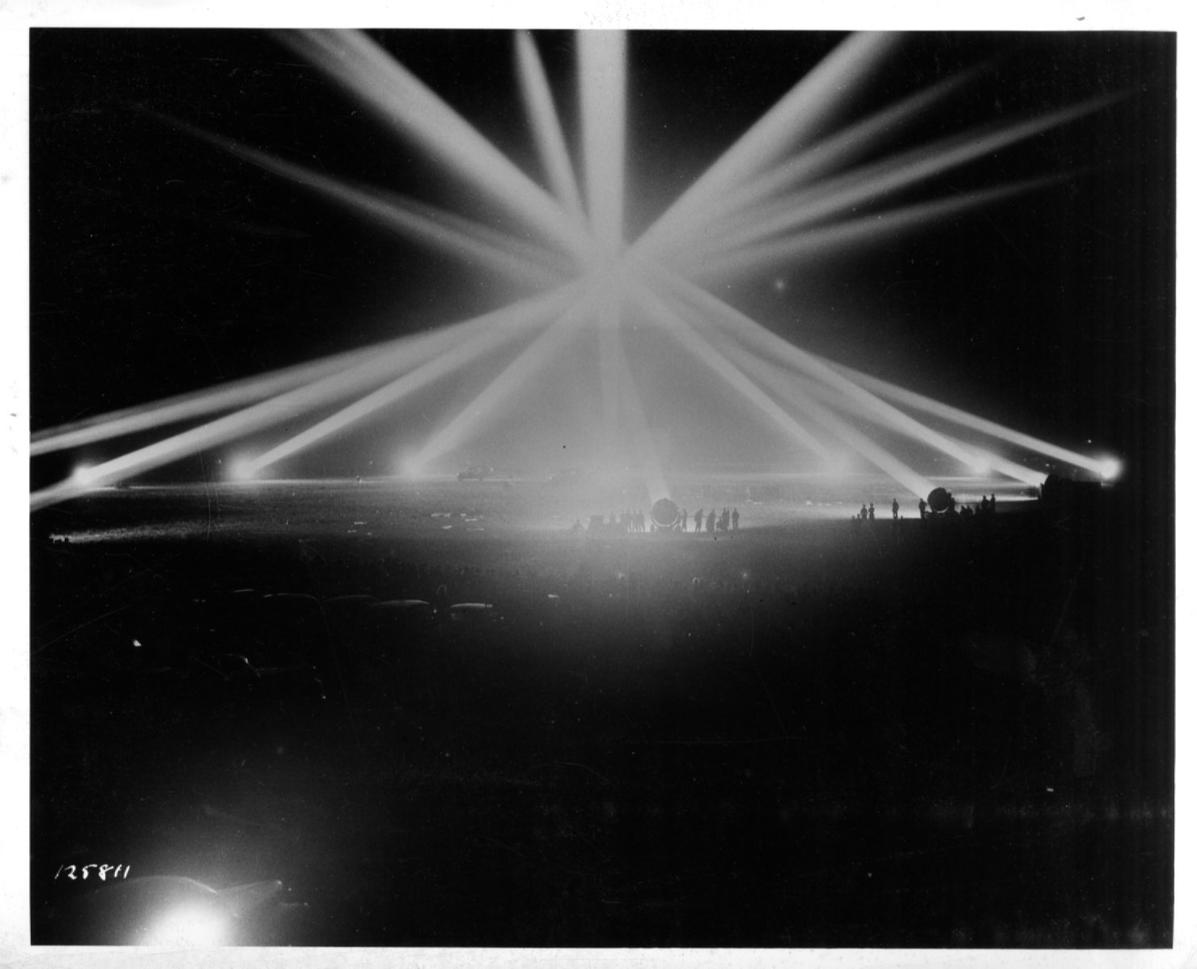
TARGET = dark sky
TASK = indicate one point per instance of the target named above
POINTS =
(161, 264)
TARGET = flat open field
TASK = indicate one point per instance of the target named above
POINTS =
(814, 732)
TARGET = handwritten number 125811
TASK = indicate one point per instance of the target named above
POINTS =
(82, 872)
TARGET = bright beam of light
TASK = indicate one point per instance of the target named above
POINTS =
(470, 241)
(648, 460)
(980, 461)
(809, 106)
(771, 346)
(608, 321)
(237, 393)
(955, 415)
(183, 407)
(829, 154)
(454, 359)
(782, 386)
(864, 187)
(865, 231)
(286, 406)
(409, 107)
(602, 78)
(515, 376)
(677, 327)
(546, 125)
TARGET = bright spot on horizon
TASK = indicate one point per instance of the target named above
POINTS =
(407, 467)
(1110, 469)
(780, 284)
(240, 469)
(188, 928)
(82, 475)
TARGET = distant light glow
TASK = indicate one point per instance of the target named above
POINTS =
(194, 927)
(241, 468)
(981, 463)
(83, 475)
(1110, 469)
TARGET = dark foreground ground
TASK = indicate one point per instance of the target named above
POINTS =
(818, 734)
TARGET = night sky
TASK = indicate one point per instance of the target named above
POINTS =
(162, 264)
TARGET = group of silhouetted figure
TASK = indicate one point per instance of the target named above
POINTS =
(626, 523)
(636, 522)
(868, 512)
(728, 520)
(987, 506)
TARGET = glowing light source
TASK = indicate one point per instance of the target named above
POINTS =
(267, 413)
(241, 468)
(501, 330)
(192, 927)
(1110, 469)
(963, 418)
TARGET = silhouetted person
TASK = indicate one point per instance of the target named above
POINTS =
(895, 508)
(698, 520)
(725, 520)
(735, 519)
(684, 518)
(993, 502)
(711, 523)
(922, 508)
(864, 513)
(872, 512)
